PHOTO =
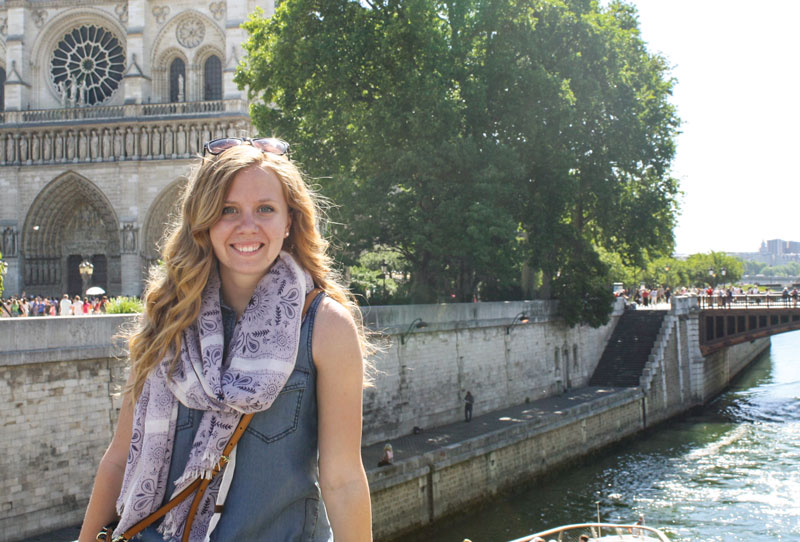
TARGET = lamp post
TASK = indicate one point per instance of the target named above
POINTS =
(522, 318)
(418, 323)
(713, 274)
(86, 269)
(384, 269)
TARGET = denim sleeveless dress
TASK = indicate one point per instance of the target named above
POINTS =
(275, 495)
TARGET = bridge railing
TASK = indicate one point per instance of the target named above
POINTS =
(748, 301)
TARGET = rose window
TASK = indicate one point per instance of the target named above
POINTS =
(87, 66)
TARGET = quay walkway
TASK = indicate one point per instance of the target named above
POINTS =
(543, 413)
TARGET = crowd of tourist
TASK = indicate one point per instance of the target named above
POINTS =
(723, 295)
(27, 306)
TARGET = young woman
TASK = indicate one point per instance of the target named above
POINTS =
(222, 336)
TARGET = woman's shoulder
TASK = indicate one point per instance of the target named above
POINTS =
(335, 334)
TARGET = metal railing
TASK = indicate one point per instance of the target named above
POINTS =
(748, 301)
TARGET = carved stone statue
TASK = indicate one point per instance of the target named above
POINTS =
(169, 148)
(180, 88)
(73, 91)
(128, 238)
(11, 149)
(71, 145)
(129, 142)
(94, 146)
(144, 143)
(181, 140)
(106, 144)
(9, 242)
(23, 148)
(155, 140)
(118, 138)
(83, 146)
(59, 148)
(62, 93)
(35, 148)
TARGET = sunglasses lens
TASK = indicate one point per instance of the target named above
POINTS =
(270, 144)
(220, 145)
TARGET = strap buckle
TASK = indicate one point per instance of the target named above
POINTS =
(105, 535)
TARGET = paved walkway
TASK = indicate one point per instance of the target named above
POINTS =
(543, 410)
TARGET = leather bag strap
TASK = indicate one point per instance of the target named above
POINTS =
(188, 490)
(198, 496)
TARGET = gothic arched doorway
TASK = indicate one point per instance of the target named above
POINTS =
(70, 220)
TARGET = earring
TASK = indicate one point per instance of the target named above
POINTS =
(287, 234)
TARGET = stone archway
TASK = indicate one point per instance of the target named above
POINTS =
(163, 212)
(70, 220)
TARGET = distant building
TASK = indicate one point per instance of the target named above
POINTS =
(103, 106)
(773, 252)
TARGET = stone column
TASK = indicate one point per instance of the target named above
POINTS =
(18, 88)
(137, 82)
(235, 14)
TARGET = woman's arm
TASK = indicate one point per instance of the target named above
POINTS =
(337, 356)
(108, 482)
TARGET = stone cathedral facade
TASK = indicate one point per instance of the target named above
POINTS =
(105, 105)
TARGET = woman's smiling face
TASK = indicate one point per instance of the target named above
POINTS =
(249, 234)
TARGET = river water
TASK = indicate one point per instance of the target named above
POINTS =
(730, 472)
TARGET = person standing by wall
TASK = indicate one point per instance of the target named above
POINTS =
(469, 400)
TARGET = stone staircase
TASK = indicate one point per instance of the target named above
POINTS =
(628, 350)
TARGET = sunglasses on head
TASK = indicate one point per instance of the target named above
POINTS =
(265, 144)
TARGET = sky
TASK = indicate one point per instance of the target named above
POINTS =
(738, 95)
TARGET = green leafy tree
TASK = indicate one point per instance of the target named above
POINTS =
(713, 268)
(476, 138)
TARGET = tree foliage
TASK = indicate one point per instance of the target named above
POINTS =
(476, 137)
(788, 269)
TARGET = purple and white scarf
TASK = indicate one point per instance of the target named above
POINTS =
(260, 359)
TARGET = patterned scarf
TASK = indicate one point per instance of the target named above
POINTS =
(260, 359)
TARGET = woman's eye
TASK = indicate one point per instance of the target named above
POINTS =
(265, 209)
(228, 210)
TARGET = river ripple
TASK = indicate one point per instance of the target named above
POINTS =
(728, 473)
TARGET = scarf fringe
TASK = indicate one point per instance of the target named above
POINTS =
(169, 527)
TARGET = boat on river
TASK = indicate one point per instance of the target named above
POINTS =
(598, 532)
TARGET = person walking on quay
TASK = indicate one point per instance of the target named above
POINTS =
(246, 293)
(388, 456)
(469, 400)
(65, 306)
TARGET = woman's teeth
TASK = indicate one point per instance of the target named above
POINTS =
(247, 248)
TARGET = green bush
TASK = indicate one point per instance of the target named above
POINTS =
(124, 305)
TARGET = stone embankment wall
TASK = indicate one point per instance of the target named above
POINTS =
(58, 380)
(414, 493)
(423, 373)
(61, 379)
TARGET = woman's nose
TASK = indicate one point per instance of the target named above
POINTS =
(246, 221)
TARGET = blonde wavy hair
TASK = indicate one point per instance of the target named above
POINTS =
(173, 293)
